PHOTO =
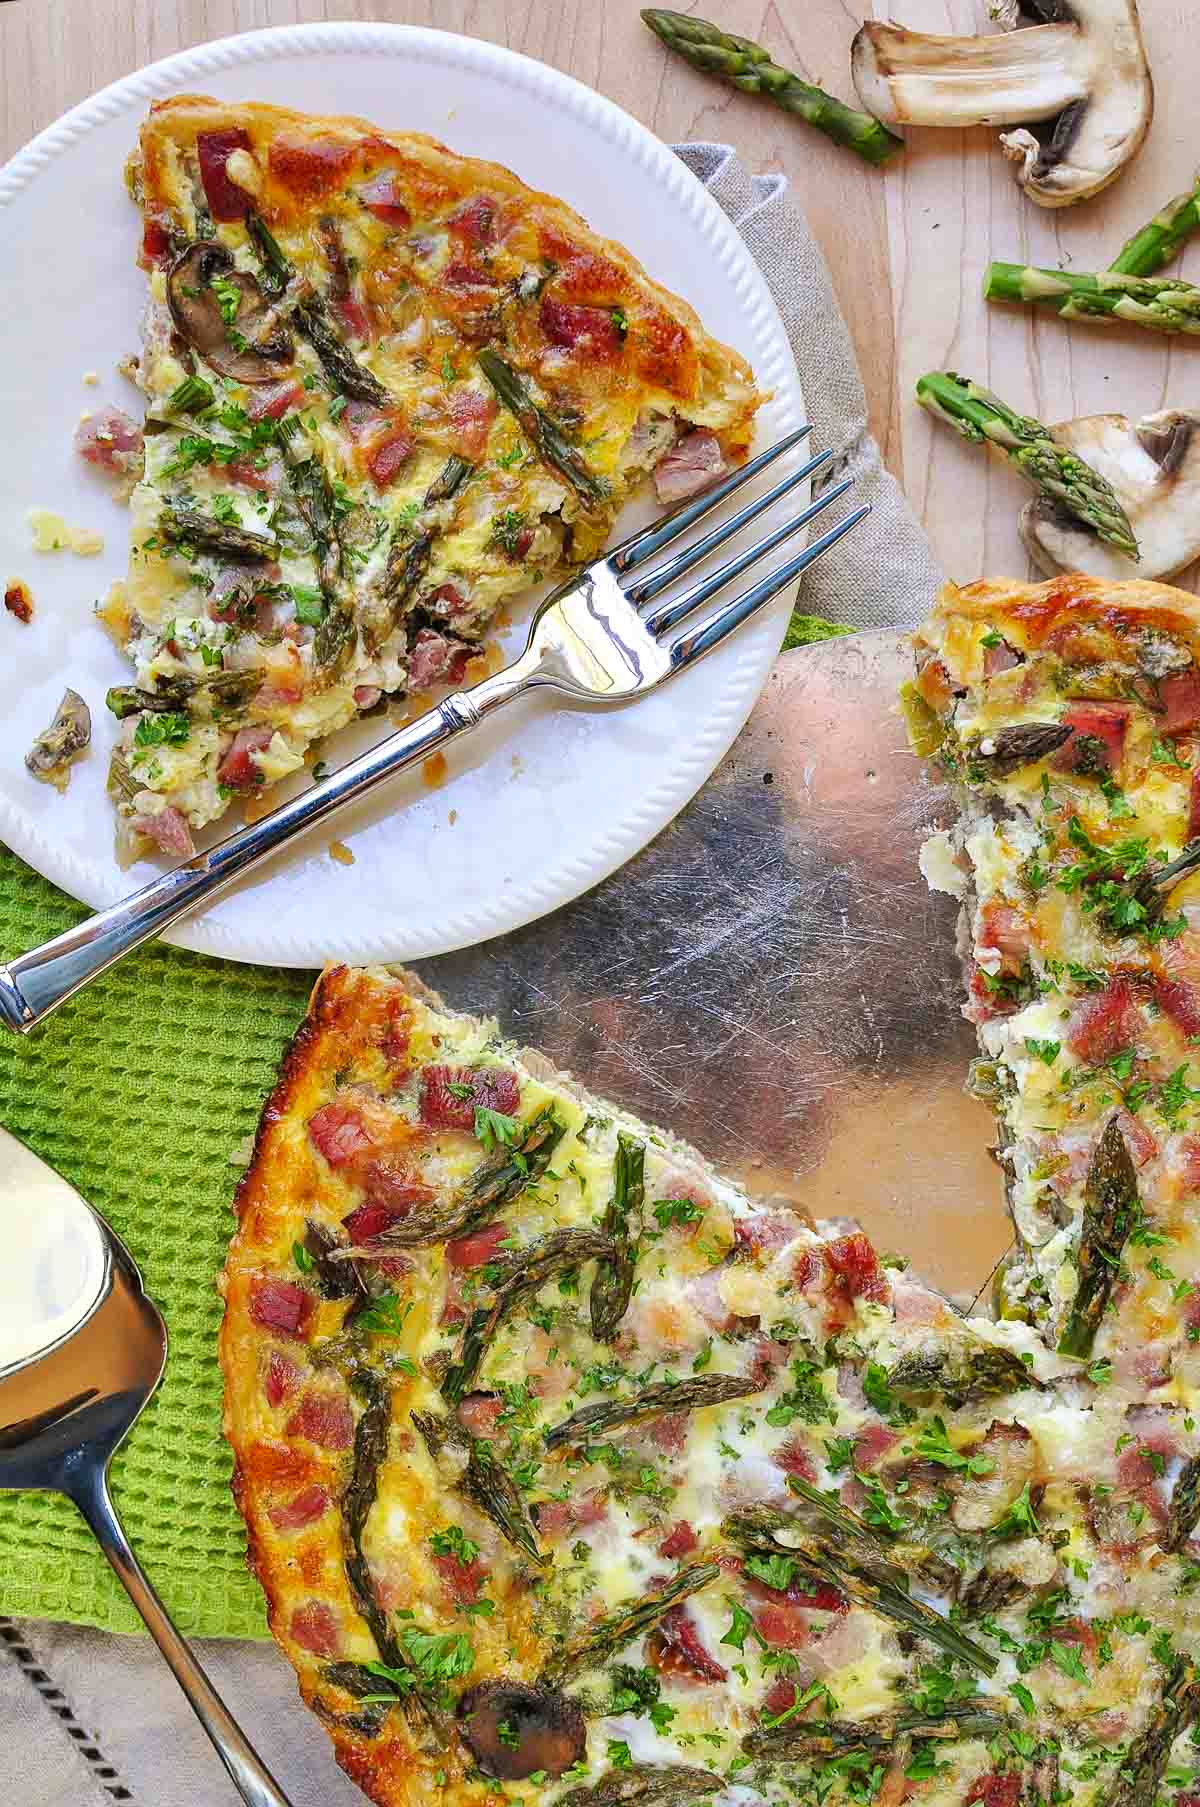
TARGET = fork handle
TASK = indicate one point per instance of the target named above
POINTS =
(35, 983)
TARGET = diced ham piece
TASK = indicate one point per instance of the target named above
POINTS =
(768, 1357)
(325, 1418)
(226, 201)
(1103, 1024)
(156, 242)
(382, 197)
(315, 1628)
(238, 768)
(487, 1088)
(387, 457)
(813, 1598)
(1189, 1173)
(999, 658)
(471, 414)
(591, 331)
(390, 1186)
(561, 1518)
(676, 1648)
(271, 401)
(680, 1540)
(933, 683)
(1181, 1002)
(477, 1247)
(282, 1377)
(463, 275)
(478, 1413)
(1005, 931)
(1140, 1143)
(1180, 697)
(796, 1458)
(366, 695)
(353, 317)
(703, 1294)
(780, 1696)
(854, 1269)
(476, 222)
(999, 1788)
(765, 1232)
(873, 1442)
(338, 1132)
(304, 1509)
(692, 463)
(280, 1305)
(1193, 827)
(668, 1433)
(168, 829)
(447, 600)
(1097, 737)
(110, 439)
(363, 420)
(251, 475)
(436, 660)
(461, 1580)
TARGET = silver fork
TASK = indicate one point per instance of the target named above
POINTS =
(590, 643)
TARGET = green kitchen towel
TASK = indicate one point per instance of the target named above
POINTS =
(139, 1091)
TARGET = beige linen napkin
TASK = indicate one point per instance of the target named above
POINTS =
(88, 1719)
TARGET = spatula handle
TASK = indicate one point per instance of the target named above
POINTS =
(249, 1773)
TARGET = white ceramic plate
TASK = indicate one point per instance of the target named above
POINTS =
(545, 802)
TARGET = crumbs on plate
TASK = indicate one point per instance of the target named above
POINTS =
(18, 599)
(52, 534)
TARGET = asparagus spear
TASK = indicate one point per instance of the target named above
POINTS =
(493, 1185)
(523, 1272)
(1138, 1778)
(613, 1284)
(1007, 751)
(1110, 1202)
(666, 1396)
(855, 1568)
(545, 434)
(1185, 1506)
(1161, 240)
(746, 65)
(603, 1639)
(182, 524)
(832, 1737)
(342, 369)
(645, 1785)
(1161, 304)
(483, 1481)
(978, 414)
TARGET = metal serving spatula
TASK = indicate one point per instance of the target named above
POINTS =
(81, 1350)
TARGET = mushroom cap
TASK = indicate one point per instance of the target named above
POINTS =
(516, 1728)
(1077, 88)
(257, 348)
(1153, 465)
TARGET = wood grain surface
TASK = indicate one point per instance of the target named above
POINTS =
(907, 246)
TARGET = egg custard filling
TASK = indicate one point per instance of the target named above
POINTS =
(388, 388)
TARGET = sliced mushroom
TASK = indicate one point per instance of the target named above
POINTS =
(516, 1728)
(981, 1500)
(57, 747)
(1154, 466)
(1071, 75)
(253, 347)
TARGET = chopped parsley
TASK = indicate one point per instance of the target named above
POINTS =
(168, 728)
(806, 1399)
(496, 1127)
(453, 1541)
(933, 1444)
(668, 1211)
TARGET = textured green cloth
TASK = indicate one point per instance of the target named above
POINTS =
(138, 1091)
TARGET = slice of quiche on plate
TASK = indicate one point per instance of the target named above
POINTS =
(388, 389)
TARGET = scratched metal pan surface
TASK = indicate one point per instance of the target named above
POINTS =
(772, 979)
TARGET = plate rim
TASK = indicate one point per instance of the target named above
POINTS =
(551, 889)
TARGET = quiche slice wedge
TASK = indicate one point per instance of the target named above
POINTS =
(1068, 716)
(576, 1476)
(388, 388)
